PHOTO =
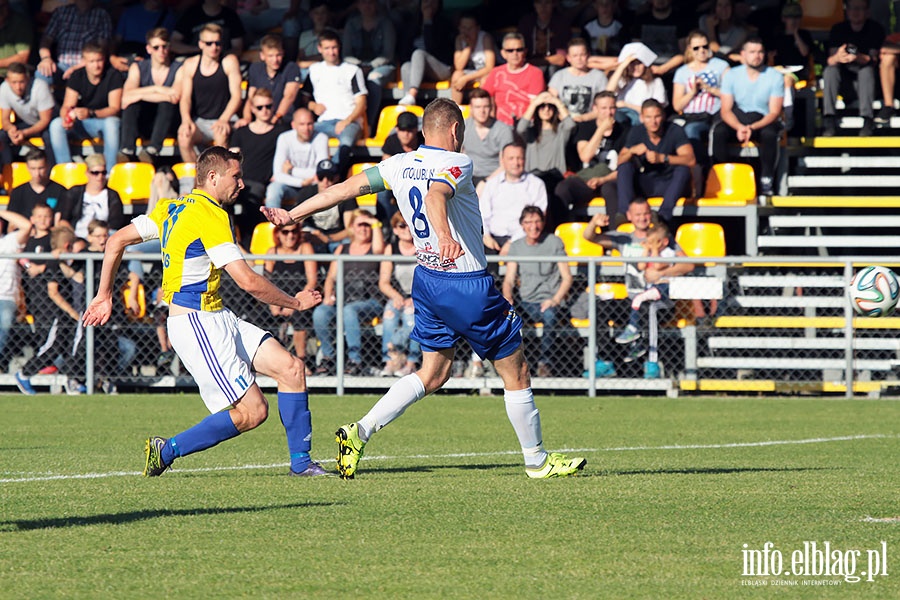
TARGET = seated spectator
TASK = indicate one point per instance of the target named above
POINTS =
(257, 142)
(663, 29)
(370, 42)
(94, 200)
(189, 28)
(514, 84)
(90, 108)
(135, 22)
(725, 30)
(39, 189)
(272, 73)
(547, 33)
(210, 95)
(852, 45)
(542, 286)
(70, 29)
(406, 138)
(505, 195)
(360, 304)
(752, 98)
(401, 354)
(30, 102)
(329, 228)
(637, 281)
(297, 153)
(13, 237)
(150, 100)
(431, 52)
(598, 143)
(696, 97)
(656, 161)
(605, 35)
(577, 84)
(633, 82)
(292, 275)
(474, 56)
(338, 92)
(792, 45)
(50, 301)
(485, 137)
(308, 45)
(261, 16)
(546, 128)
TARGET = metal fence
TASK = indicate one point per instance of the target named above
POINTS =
(772, 325)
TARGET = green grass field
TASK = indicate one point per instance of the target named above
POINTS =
(441, 507)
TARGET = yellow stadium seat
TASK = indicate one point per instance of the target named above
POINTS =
(466, 111)
(610, 290)
(14, 175)
(263, 238)
(572, 236)
(184, 169)
(701, 239)
(132, 181)
(141, 299)
(821, 14)
(656, 201)
(369, 200)
(729, 184)
(387, 120)
(69, 174)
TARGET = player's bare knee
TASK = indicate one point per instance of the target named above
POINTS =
(293, 375)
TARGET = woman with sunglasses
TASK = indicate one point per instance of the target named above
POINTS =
(401, 354)
(695, 96)
(94, 200)
(290, 275)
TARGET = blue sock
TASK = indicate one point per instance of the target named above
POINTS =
(293, 408)
(207, 433)
(634, 318)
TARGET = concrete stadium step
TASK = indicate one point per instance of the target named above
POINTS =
(849, 162)
(843, 181)
(804, 281)
(831, 201)
(800, 343)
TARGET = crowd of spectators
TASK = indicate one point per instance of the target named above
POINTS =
(567, 102)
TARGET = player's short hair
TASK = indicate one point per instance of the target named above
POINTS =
(215, 158)
(329, 35)
(93, 47)
(440, 115)
(271, 41)
(17, 68)
(35, 154)
(531, 210)
(212, 28)
(480, 93)
(158, 33)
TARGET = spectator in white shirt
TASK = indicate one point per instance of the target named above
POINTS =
(297, 152)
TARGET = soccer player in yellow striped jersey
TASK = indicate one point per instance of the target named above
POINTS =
(222, 352)
(453, 294)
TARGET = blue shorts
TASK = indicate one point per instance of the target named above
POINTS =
(450, 306)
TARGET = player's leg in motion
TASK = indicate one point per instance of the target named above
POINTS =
(526, 420)
(404, 393)
(293, 403)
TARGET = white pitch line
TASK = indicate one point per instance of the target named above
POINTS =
(844, 438)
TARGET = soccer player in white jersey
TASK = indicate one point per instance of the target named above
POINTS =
(221, 351)
(453, 293)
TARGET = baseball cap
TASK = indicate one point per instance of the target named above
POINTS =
(326, 168)
(407, 121)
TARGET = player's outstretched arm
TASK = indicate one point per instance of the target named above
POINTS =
(100, 309)
(358, 185)
(267, 292)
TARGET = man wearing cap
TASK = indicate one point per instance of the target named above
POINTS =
(329, 228)
(406, 139)
(297, 152)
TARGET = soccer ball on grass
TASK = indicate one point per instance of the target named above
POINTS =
(874, 292)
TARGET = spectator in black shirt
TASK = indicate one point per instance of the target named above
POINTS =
(39, 189)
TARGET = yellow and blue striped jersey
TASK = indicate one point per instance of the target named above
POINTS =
(197, 242)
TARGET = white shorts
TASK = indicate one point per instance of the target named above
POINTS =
(217, 349)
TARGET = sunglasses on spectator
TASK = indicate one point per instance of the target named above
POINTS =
(263, 107)
(288, 231)
(159, 46)
(103, 172)
(216, 43)
(401, 225)
(519, 49)
(695, 48)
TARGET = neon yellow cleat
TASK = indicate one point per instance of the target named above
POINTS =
(154, 467)
(350, 449)
(557, 465)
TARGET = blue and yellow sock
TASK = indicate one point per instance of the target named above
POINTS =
(207, 433)
(293, 408)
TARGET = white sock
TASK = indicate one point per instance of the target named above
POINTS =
(403, 394)
(526, 421)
